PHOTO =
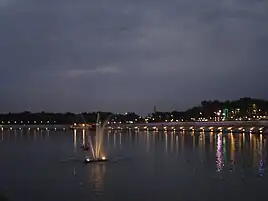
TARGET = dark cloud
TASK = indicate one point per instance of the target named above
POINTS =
(129, 55)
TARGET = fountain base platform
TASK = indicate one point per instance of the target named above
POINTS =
(95, 160)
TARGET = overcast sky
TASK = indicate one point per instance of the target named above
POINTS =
(127, 55)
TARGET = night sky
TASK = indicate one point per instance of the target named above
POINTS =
(126, 55)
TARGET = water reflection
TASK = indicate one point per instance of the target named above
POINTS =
(96, 177)
(114, 140)
(2, 136)
(166, 142)
(84, 137)
(120, 140)
(219, 155)
(211, 138)
(147, 142)
(75, 142)
(229, 152)
(232, 148)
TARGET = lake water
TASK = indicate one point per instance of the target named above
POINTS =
(144, 166)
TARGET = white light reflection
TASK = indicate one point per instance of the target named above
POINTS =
(172, 142)
(75, 144)
(41, 134)
(219, 156)
(261, 161)
(108, 138)
(177, 143)
(182, 143)
(48, 133)
(166, 142)
(232, 157)
(84, 137)
(114, 139)
(96, 176)
(211, 141)
(147, 142)
(15, 135)
(136, 139)
(34, 134)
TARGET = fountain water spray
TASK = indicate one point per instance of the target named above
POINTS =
(97, 150)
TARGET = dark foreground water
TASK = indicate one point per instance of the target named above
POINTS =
(144, 166)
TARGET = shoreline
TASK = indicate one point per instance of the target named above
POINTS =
(223, 126)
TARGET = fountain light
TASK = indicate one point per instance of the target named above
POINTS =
(97, 150)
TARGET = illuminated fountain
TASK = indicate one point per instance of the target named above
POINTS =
(96, 147)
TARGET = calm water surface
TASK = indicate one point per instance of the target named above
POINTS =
(47, 165)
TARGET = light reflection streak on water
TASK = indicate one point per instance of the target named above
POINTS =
(219, 156)
(244, 140)
(114, 140)
(34, 134)
(142, 138)
(255, 151)
(182, 142)
(96, 179)
(193, 136)
(250, 143)
(261, 143)
(75, 142)
(200, 142)
(172, 142)
(204, 138)
(15, 135)
(232, 157)
(84, 137)
(261, 160)
(166, 142)
(210, 141)
(177, 143)
(147, 142)
(240, 142)
(108, 138)
(130, 139)
(136, 138)
(224, 151)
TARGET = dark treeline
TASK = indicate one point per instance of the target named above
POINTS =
(244, 108)
(64, 118)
